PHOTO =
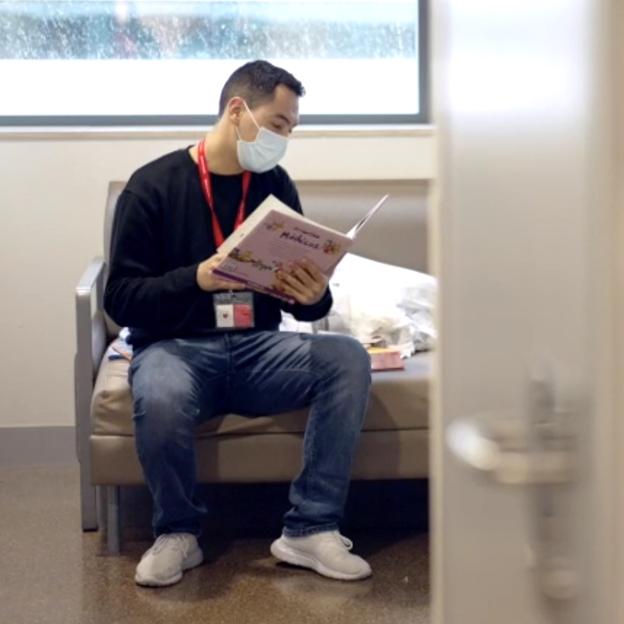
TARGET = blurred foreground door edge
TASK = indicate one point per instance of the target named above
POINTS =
(528, 418)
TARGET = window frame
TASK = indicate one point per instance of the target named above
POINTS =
(181, 121)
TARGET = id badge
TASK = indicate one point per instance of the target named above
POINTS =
(234, 310)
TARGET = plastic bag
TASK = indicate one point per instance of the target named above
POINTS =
(382, 304)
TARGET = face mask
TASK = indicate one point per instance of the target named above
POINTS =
(262, 154)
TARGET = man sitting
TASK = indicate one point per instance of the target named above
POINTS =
(193, 360)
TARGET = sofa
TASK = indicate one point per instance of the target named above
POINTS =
(234, 448)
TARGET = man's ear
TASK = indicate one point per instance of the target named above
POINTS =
(234, 109)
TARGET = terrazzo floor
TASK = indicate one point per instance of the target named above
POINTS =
(53, 573)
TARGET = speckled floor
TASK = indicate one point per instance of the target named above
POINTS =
(51, 572)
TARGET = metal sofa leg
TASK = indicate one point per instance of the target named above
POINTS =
(100, 500)
(88, 506)
(113, 526)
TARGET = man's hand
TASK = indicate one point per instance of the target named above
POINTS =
(208, 281)
(305, 283)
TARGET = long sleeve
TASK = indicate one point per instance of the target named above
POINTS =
(139, 292)
(311, 312)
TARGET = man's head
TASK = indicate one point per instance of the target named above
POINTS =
(258, 109)
(271, 93)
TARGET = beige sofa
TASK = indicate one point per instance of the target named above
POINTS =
(394, 442)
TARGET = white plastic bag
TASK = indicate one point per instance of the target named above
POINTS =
(383, 304)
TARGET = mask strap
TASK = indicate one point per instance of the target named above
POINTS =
(252, 115)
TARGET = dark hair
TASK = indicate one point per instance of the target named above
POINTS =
(256, 83)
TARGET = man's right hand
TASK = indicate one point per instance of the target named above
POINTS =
(208, 281)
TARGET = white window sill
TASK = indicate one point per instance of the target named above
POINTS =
(52, 133)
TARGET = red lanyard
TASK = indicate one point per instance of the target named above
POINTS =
(204, 177)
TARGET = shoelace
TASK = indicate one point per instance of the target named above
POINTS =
(340, 540)
(348, 544)
(171, 539)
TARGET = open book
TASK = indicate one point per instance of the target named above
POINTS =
(273, 236)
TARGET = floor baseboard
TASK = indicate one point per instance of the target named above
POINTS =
(33, 446)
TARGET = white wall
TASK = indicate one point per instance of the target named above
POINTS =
(52, 192)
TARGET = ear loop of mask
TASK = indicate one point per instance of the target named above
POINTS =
(252, 118)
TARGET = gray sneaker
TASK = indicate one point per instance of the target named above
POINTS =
(164, 563)
(326, 553)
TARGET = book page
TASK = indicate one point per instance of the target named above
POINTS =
(279, 241)
(298, 242)
(353, 232)
(274, 237)
(270, 204)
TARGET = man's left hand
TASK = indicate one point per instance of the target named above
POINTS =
(305, 283)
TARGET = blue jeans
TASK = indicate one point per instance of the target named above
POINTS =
(178, 384)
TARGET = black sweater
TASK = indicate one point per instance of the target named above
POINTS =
(162, 231)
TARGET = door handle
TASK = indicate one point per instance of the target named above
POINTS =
(532, 448)
(503, 448)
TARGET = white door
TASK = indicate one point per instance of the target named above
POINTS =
(524, 429)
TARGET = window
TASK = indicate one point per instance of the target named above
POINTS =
(164, 62)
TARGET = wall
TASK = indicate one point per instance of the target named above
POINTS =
(52, 191)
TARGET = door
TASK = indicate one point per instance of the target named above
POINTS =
(524, 230)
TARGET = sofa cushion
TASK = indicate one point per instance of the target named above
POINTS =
(399, 401)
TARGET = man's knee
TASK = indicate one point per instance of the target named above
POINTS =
(164, 395)
(344, 355)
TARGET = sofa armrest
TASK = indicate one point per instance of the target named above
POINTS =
(91, 340)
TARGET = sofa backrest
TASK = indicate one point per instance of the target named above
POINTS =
(397, 234)
(114, 191)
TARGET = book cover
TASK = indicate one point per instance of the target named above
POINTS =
(273, 237)
(385, 359)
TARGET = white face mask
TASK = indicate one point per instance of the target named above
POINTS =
(264, 152)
